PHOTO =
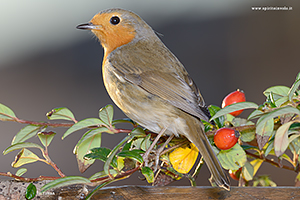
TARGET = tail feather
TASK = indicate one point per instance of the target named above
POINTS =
(201, 142)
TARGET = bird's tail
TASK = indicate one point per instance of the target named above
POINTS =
(201, 142)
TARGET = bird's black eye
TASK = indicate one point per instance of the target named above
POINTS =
(114, 20)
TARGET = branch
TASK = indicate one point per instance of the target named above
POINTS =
(40, 178)
(67, 125)
(270, 161)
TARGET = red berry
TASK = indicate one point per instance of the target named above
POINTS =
(225, 138)
(235, 175)
(234, 97)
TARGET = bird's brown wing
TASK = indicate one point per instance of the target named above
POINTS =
(167, 78)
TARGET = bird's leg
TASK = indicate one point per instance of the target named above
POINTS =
(146, 154)
(160, 150)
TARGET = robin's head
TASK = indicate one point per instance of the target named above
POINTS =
(116, 27)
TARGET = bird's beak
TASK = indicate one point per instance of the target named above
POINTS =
(88, 26)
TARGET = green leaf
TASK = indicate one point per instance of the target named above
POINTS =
(46, 137)
(281, 141)
(148, 173)
(83, 148)
(98, 187)
(269, 147)
(278, 91)
(277, 112)
(85, 123)
(21, 146)
(220, 120)
(133, 154)
(106, 114)
(248, 171)
(21, 171)
(281, 101)
(146, 143)
(240, 122)
(65, 181)
(233, 158)
(265, 131)
(298, 76)
(124, 120)
(295, 143)
(91, 133)
(60, 113)
(247, 136)
(293, 89)
(127, 146)
(24, 157)
(138, 132)
(103, 174)
(25, 133)
(6, 114)
(30, 191)
(113, 152)
(234, 107)
(101, 153)
(255, 114)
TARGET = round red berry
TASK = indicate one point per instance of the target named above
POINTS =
(235, 175)
(225, 138)
(234, 97)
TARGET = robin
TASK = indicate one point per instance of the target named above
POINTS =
(149, 84)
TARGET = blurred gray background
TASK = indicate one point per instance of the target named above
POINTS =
(46, 63)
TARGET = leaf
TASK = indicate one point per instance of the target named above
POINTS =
(83, 148)
(281, 101)
(248, 171)
(278, 91)
(146, 143)
(65, 181)
(46, 137)
(101, 153)
(264, 131)
(298, 76)
(103, 174)
(24, 157)
(30, 191)
(255, 114)
(106, 114)
(220, 120)
(6, 114)
(184, 158)
(21, 171)
(90, 134)
(148, 173)
(240, 122)
(138, 132)
(269, 147)
(281, 141)
(247, 135)
(277, 112)
(234, 107)
(60, 113)
(256, 165)
(21, 146)
(113, 152)
(294, 143)
(293, 89)
(85, 123)
(264, 181)
(25, 133)
(233, 158)
(133, 154)
(124, 120)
